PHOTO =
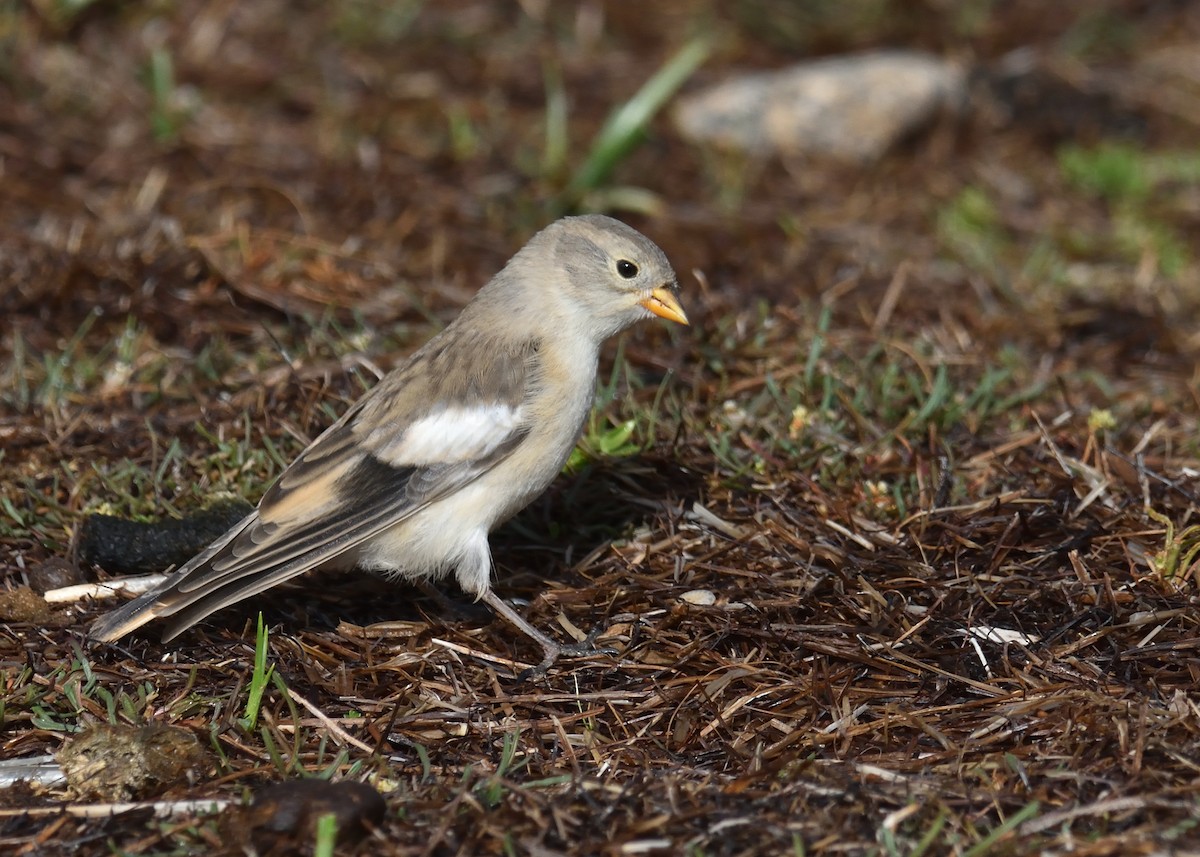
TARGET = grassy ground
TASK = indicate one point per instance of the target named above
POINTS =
(896, 542)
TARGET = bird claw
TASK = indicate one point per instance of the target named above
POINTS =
(585, 648)
(553, 650)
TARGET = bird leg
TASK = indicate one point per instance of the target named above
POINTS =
(552, 650)
(472, 610)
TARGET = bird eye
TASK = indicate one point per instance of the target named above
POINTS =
(627, 269)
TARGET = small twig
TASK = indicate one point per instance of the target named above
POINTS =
(483, 656)
(1140, 466)
(161, 809)
(891, 297)
(340, 733)
(104, 591)
(1064, 816)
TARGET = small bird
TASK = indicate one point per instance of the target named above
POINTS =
(456, 440)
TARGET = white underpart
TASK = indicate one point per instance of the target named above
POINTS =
(448, 536)
(452, 435)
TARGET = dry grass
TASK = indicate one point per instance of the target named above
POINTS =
(898, 555)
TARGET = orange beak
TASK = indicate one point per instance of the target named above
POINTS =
(663, 303)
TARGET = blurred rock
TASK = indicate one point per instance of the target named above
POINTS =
(120, 763)
(54, 573)
(283, 817)
(699, 597)
(852, 108)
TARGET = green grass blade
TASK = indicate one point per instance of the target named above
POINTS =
(162, 85)
(1010, 824)
(554, 157)
(326, 837)
(259, 678)
(622, 131)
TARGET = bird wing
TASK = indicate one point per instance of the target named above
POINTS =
(428, 429)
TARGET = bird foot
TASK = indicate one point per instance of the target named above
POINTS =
(585, 648)
(553, 650)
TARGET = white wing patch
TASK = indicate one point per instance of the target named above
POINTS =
(450, 436)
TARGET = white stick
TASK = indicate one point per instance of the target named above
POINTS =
(108, 589)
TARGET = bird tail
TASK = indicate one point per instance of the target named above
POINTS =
(166, 599)
(127, 618)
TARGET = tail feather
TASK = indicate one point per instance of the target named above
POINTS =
(127, 618)
(164, 599)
